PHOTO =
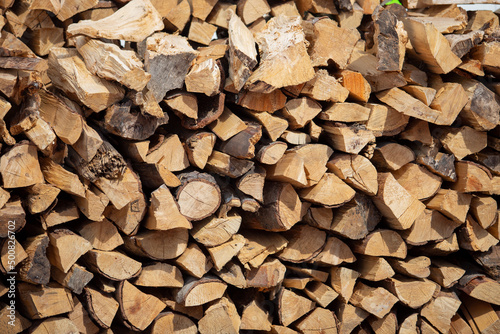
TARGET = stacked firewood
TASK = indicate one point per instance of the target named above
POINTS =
(308, 166)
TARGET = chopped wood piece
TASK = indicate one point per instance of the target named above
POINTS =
(215, 231)
(204, 78)
(200, 291)
(480, 111)
(292, 306)
(417, 267)
(222, 316)
(223, 253)
(391, 156)
(108, 61)
(169, 152)
(41, 302)
(251, 11)
(305, 242)
(359, 89)
(224, 164)
(355, 219)
(183, 102)
(93, 205)
(137, 308)
(169, 322)
(424, 94)
(168, 59)
(112, 265)
(449, 100)
(62, 212)
(398, 206)
(349, 317)
(381, 243)
(484, 210)
(19, 166)
(390, 40)
(431, 46)
(201, 32)
(300, 111)
(320, 320)
(164, 212)
(259, 245)
(102, 307)
(69, 73)
(199, 148)
(417, 180)
(474, 238)
(242, 145)
(441, 309)
(376, 301)
(330, 191)
(472, 177)
(408, 105)
(75, 279)
(356, 170)
(194, 261)
(252, 183)
(342, 280)
(429, 226)
(270, 274)
(276, 50)
(345, 112)
(324, 87)
(103, 235)
(366, 64)
(445, 273)
(409, 324)
(481, 316)
(451, 203)
(61, 178)
(329, 42)
(227, 125)
(242, 52)
(12, 218)
(158, 245)
(55, 324)
(160, 274)
(412, 292)
(320, 293)
(350, 139)
(269, 102)
(35, 268)
(233, 274)
(271, 153)
(66, 248)
(334, 252)
(385, 121)
(387, 324)
(221, 14)
(255, 317)
(273, 125)
(290, 168)
(198, 196)
(139, 17)
(373, 268)
(80, 317)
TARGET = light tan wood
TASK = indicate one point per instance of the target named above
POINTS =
(474, 238)
(242, 52)
(429, 226)
(480, 315)
(359, 89)
(441, 309)
(290, 168)
(330, 191)
(20, 167)
(103, 235)
(381, 243)
(445, 273)
(258, 246)
(292, 306)
(305, 242)
(373, 268)
(355, 170)
(417, 180)
(376, 301)
(255, 317)
(138, 20)
(227, 125)
(222, 316)
(349, 139)
(424, 94)
(158, 245)
(324, 87)
(384, 120)
(300, 111)
(409, 324)
(387, 324)
(198, 292)
(160, 274)
(69, 73)
(169, 322)
(113, 265)
(198, 188)
(412, 292)
(194, 261)
(334, 252)
(472, 177)
(44, 301)
(276, 49)
(199, 148)
(479, 111)
(484, 210)
(417, 267)
(451, 203)
(164, 212)
(66, 248)
(349, 317)
(251, 11)
(221, 14)
(319, 320)
(81, 318)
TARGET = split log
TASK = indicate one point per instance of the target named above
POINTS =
(445, 273)
(221, 316)
(275, 49)
(113, 265)
(349, 317)
(69, 73)
(292, 306)
(324, 87)
(447, 303)
(405, 289)
(373, 268)
(158, 245)
(37, 304)
(75, 279)
(81, 318)
(429, 226)
(319, 320)
(349, 139)
(417, 267)
(198, 292)
(376, 301)
(390, 40)
(194, 261)
(242, 52)
(20, 167)
(35, 268)
(381, 243)
(139, 17)
(66, 248)
(102, 308)
(451, 203)
(359, 89)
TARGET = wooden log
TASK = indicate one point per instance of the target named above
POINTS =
(200, 291)
(167, 58)
(355, 170)
(390, 40)
(445, 273)
(102, 235)
(20, 167)
(376, 301)
(355, 219)
(484, 210)
(290, 168)
(81, 319)
(12, 218)
(324, 47)
(204, 77)
(255, 317)
(359, 89)
(345, 112)
(102, 307)
(242, 145)
(481, 316)
(474, 238)
(66, 248)
(319, 320)
(113, 265)
(198, 188)
(292, 306)
(409, 324)
(36, 303)
(160, 274)
(164, 212)
(424, 94)
(221, 14)
(400, 213)
(426, 40)
(305, 242)
(158, 245)
(69, 73)
(417, 267)
(35, 268)
(169, 322)
(381, 243)
(324, 87)
(404, 289)
(194, 261)
(251, 12)
(334, 252)
(132, 299)
(75, 279)
(441, 309)
(429, 226)
(384, 120)
(417, 180)
(108, 61)
(61, 178)
(258, 246)
(242, 52)
(373, 268)
(451, 203)
(387, 324)
(472, 177)
(349, 139)
(342, 280)
(391, 156)
(488, 261)
(349, 317)
(441, 248)
(199, 147)
(221, 316)
(280, 30)
(139, 16)
(300, 111)
(60, 213)
(227, 125)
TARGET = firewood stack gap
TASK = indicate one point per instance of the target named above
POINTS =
(307, 166)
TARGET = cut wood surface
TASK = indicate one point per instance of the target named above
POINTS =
(210, 166)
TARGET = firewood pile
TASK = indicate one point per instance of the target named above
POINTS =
(308, 166)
